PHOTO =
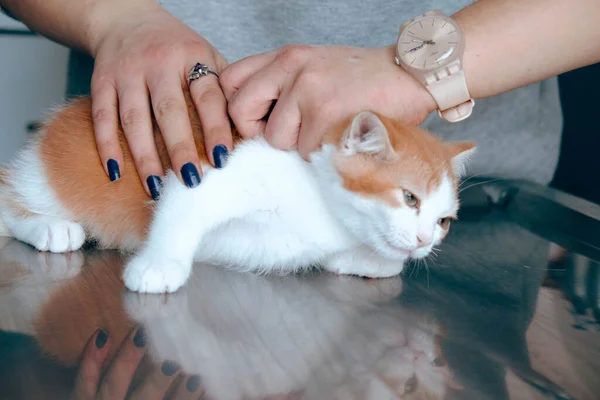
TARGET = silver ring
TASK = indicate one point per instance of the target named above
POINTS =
(198, 71)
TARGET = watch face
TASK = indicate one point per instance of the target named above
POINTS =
(428, 42)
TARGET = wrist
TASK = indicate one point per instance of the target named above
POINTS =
(105, 15)
(422, 98)
(470, 56)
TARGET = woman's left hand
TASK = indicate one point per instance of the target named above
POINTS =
(315, 87)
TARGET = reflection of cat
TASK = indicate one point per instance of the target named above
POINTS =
(27, 279)
(417, 371)
(381, 367)
(250, 337)
(61, 299)
(320, 336)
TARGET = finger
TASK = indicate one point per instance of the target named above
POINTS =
(158, 382)
(284, 123)
(190, 388)
(254, 99)
(134, 108)
(121, 370)
(235, 75)
(311, 134)
(212, 110)
(90, 368)
(172, 116)
(105, 122)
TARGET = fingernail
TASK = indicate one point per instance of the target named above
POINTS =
(101, 339)
(190, 175)
(154, 185)
(113, 170)
(220, 155)
(169, 368)
(140, 338)
(193, 383)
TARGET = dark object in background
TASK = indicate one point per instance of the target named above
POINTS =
(578, 170)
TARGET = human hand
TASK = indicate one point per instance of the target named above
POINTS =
(317, 86)
(142, 59)
(99, 379)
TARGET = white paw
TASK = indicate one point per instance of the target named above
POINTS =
(57, 236)
(145, 308)
(61, 266)
(148, 273)
(373, 267)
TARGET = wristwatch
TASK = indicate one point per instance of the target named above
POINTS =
(430, 48)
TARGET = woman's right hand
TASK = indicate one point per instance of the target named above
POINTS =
(142, 57)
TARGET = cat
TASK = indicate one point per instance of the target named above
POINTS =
(374, 194)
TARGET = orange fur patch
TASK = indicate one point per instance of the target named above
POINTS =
(420, 162)
(118, 210)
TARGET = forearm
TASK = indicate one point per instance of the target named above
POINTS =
(76, 24)
(512, 43)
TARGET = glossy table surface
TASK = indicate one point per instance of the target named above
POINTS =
(489, 317)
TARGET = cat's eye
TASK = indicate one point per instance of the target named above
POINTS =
(410, 385)
(444, 223)
(411, 200)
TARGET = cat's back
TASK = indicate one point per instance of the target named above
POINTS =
(64, 156)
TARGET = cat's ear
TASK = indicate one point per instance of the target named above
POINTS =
(461, 153)
(366, 134)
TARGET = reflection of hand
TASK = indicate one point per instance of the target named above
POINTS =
(98, 378)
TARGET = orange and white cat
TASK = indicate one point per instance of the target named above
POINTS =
(374, 194)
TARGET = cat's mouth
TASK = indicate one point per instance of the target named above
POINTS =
(396, 248)
(388, 246)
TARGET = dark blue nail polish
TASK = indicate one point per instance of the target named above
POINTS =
(113, 170)
(193, 383)
(190, 175)
(154, 186)
(101, 339)
(220, 155)
(140, 338)
(169, 368)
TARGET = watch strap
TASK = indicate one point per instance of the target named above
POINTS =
(448, 86)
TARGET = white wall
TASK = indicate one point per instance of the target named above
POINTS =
(33, 76)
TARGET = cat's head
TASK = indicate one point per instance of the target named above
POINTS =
(394, 187)
(411, 375)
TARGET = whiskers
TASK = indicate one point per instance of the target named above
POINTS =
(424, 263)
(462, 187)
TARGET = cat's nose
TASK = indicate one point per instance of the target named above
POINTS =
(424, 239)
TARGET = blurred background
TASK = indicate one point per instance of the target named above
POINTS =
(35, 76)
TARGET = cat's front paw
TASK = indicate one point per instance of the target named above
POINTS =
(56, 235)
(148, 273)
(364, 265)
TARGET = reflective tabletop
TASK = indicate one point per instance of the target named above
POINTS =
(507, 309)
